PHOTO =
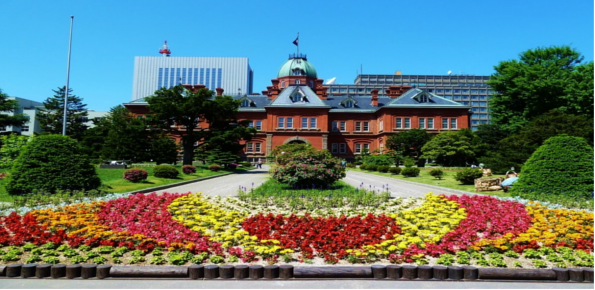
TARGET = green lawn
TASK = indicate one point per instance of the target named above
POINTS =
(113, 180)
(447, 180)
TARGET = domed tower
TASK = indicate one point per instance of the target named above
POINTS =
(296, 71)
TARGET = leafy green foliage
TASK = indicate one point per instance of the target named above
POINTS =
(446, 259)
(383, 168)
(164, 150)
(51, 116)
(408, 162)
(409, 142)
(410, 172)
(165, 171)
(223, 158)
(541, 80)
(214, 167)
(318, 168)
(437, 173)
(395, 170)
(380, 160)
(127, 137)
(12, 145)
(563, 165)
(280, 152)
(452, 148)
(7, 105)
(468, 175)
(51, 162)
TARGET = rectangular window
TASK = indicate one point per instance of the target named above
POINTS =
(281, 122)
(251, 125)
(250, 147)
(358, 148)
(218, 77)
(208, 80)
(304, 123)
(259, 125)
(160, 78)
(335, 148)
(343, 127)
(202, 76)
(25, 129)
(195, 77)
(289, 122)
(407, 123)
(335, 126)
(430, 123)
(256, 147)
(342, 148)
(184, 76)
(444, 123)
(367, 147)
(422, 123)
(366, 126)
(381, 124)
(213, 75)
(312, 122)
(453, 123)
(399, 123)
(358, 126)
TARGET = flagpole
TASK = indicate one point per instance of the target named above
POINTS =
(298, 45)
(67, 79)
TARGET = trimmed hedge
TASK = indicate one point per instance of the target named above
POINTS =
(50, 163)
(395, 170)
(372, 167)
(437, 173)
(468, 175)
(165, 171)
(214, 167)
(318, 168)
(350, 165)
(383, 168)
(188, 169)
(410, 171)
(563, 166)
(135, 174)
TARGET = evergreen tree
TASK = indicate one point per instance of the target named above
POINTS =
(10, 106)
(52, 116)
(163, 149)
(127, 138)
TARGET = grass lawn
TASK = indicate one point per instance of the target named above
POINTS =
(113, 181)
(447, 180)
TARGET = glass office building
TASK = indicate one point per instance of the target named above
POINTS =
(233, 74)
(468, 90)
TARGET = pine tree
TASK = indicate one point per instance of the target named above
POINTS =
(10, 106)
(51, 117)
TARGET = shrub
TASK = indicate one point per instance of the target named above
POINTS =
(395, 170)
(562, 166)
(372, 167)
(408, 162)
(363, 167)
(410, 171)
(246, 164)
(383, 168)
(165, 171)
(214, 167)
(188, 169)
(378, 160)
(437, 173)
(50, 163)
(468, 175)
(350, 165)
(135, 174)
(310, 168)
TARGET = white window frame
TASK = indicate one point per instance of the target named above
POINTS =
(430, 123)
(250, 147)
(335, 126)
(399, 123)
(313, 122)
(289, 122)
(444, 120)
(366, 147)
(343, 126)
(281, 122)
(358, 148)
(381, 125)
(422, 123)
(358, 126)
(407, 123)
(366, 126)
(304, 123)
(453, 123)
(258, 125)
(257, 147)
(343, 148)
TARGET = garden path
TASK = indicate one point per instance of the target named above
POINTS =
(225, 185)
(395, 186)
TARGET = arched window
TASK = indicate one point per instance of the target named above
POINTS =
(296, 97)
(297, 82)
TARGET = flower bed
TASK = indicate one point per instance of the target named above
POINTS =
(188, 228)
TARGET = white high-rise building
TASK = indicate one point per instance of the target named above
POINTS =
(233, 74)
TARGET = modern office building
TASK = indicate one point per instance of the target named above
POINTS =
(233, 74)
(28, 108)
(468, 90)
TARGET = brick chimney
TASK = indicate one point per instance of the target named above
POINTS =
(219, 91)
(374, 98)
(396, 91)
(194, 88)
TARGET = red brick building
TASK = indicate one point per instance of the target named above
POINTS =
(297, 108)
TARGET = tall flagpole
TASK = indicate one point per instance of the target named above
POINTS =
(67, 78)
(298, 45)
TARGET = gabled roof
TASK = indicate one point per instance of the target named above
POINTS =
(306, 98)
(414, 98)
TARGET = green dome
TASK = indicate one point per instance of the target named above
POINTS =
(297, 65)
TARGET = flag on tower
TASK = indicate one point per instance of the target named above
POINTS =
(296, 41)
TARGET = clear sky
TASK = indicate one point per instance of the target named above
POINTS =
(415, 37)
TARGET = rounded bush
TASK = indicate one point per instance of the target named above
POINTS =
(135, 174)
(363, 167)
(395, 170)
(188, 169)
(214, 167)
(562, 166)
(408, 161)
(383, 168)
(49, 163)
(350, 165)
(372, 167)
(318, 168)
(246, 164)
(165, 171)
(410, 171)
(468, 175)
(437, 173)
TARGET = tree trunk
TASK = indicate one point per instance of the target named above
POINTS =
(188, 152)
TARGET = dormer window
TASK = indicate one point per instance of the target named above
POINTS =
(297, 82)
(245, 103)
(349, 104)
(423, 98)
(298, 97)
(298, 72)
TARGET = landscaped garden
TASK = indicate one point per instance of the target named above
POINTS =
(313, 219)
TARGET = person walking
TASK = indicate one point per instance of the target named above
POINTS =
(259, 164)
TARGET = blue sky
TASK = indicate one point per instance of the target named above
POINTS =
(415, 37)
